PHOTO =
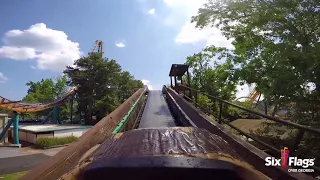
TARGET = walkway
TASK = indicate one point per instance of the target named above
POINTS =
(21, 163)
(16, 160)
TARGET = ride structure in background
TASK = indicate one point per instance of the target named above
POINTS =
(253, 96)
(255, 99)
(23, 107)
(19, 107)
(97, 48)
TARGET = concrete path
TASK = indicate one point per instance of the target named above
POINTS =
(21, 163)
(22, 159)
(49, 152)
(6, 152)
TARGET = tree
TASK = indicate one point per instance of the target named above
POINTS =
(212, 76)
(276, 43)
(45, 91)
(276, 46)
(127, 85)
(212, 73)
(102, 86)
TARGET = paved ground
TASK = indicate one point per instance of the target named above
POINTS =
(156, 112)
(21, 163)
(6, 152)
(49, 152)
(23, 159)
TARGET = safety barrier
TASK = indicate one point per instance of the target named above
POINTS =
(251, 154)
(128, 120)
(302, 128)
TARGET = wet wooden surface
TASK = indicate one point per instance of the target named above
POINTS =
(174, 142)
(165, 141)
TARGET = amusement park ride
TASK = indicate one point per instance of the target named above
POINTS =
(19, 107)
(159, 135)
(255, 95)
(97, 48)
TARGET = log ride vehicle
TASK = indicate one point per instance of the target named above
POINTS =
(163, 153)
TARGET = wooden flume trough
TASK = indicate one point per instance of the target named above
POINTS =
(206, 144)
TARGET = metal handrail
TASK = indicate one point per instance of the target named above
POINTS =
(299, 126)
(302, 128)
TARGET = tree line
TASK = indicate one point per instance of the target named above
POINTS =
(101, 87)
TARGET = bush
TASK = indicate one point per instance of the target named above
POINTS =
(238, 113)
(46, 142)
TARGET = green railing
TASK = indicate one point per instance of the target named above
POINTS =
(121, 126)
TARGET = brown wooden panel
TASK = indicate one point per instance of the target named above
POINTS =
(175, 142)
(168, 141)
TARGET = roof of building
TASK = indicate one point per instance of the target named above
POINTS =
(178, 69)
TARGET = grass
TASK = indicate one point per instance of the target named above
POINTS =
(13, 176)
(47, 142)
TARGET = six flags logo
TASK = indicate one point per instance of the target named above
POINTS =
(286, 160)
(284, 157)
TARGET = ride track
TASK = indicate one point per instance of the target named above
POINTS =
(21, 107)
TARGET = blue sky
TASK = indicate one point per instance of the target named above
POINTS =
(38, 38)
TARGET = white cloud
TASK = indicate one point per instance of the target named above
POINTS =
(181, 11)
(3, 78)
(243, 91)
(120, 44)
(147, 83)
(50, 48)
(212, 36)
(188, 7)
(151, 11)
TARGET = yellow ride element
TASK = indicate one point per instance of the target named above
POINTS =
(97, 47)
(19, 106)
(254, 96)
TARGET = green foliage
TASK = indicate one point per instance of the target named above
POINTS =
(276, 47)
(102, 85)
(211, 76)
(238, 113)
(6, 112)
(276, 43)
(46, 142)
(212, 73)
(13, 176)
(204, 101)
(44, 91)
